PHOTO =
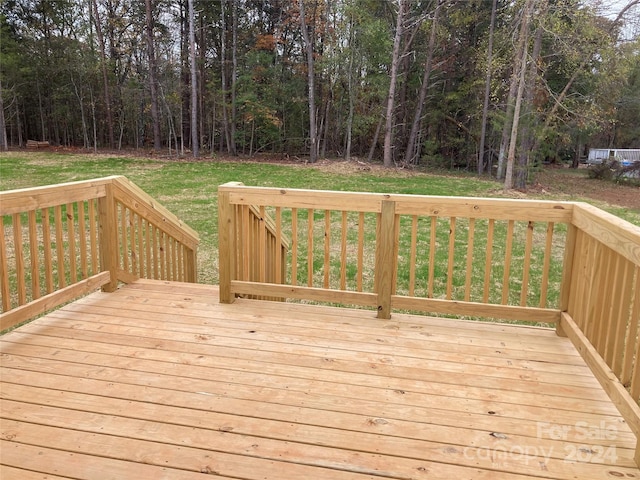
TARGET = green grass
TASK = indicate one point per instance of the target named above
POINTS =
(188, 188)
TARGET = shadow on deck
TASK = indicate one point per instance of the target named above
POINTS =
(160, 380)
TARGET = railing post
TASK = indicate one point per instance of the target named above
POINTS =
(567, 274)
(226, 244)
(191, 263)
(108, 237)
(386, 261)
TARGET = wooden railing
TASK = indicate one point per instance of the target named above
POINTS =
(475, 257)
(62, 241)
(601, 304)
(550, 262)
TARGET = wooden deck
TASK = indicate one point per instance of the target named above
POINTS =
(158, 380)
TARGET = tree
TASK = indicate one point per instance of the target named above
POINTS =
(194, 83)
(393, 80)
(105, 76)
(417, 118)
(4, 146)
(308, 45)
(487, 90)
(519, 76)
(153, 76)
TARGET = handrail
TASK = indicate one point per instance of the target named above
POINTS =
(496, 258)
(63, 241)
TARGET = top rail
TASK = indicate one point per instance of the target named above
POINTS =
(62, 241)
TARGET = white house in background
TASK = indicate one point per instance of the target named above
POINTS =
(626, 156)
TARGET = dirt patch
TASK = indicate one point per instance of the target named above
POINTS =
(576, 184)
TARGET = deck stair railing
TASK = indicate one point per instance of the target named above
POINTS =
(62, 241)
(562, 263)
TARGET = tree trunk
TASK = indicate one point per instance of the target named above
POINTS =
(350, 93)
(522, 70)
(527, 132)
(313, 129)
(105, 76)
(223, 77)
(194, 83)
(374, 142)
(395, 60)
(487, 89)
(234, 75)
(4, 146)
(417, 118)
(18, 122)
(202, 82)
(153, 76)
(79, 96)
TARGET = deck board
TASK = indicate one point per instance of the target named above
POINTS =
(159, 380)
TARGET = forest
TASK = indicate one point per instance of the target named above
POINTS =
(497, 87)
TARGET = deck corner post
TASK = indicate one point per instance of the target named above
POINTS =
(108, 237)
(567, 275)
(385, 264)
(226, 245)
(191, 263)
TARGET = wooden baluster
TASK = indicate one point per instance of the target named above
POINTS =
(528, 246)
(57, 218)
(82, 240)
(544, 283)
(413, 255)
(294, 246)
(4, 270)
(46, 243)
(277, 246)
(361, 220)
(451, 256)
(34, 255)
(93, 237)
(71, 240)
(343, 251)
(432, 255)
(469, 269)
(327, 249)
(310, 224)
(507, 263)
(488, 264)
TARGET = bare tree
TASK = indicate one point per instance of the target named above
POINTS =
(313, 128)
(395, 60)
(223, 79)
(105, 76)
(234, 74)
(4, 146)
(194, 82)
(521, 53)
(487, 89)
(153, 76)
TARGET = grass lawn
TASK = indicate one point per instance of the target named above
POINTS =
(189, 188)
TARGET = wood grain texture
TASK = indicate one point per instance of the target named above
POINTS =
(158, 379)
